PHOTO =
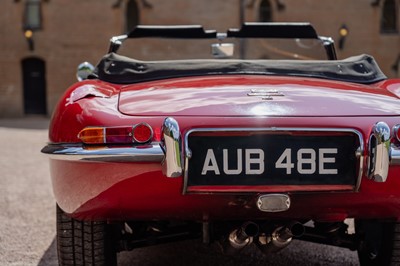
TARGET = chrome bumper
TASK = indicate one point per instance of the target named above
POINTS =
(77, 152)
(170, 152)
(149, 153)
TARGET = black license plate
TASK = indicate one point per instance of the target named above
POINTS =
(269, 159)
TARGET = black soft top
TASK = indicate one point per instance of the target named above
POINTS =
(119, 69)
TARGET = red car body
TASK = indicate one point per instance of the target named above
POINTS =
(138, 183)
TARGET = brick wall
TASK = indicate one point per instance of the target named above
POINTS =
(79, 30)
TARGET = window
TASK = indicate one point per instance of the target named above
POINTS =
(132, 15)
(389, 16)
(33, 15)
(265, 11)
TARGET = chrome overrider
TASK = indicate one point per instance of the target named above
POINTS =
(379, 149)
(172, 165)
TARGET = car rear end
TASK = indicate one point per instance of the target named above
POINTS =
(164, 151)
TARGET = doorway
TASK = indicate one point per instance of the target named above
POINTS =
(34, 84)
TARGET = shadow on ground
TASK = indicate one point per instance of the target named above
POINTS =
(50, 255)
(192, 252)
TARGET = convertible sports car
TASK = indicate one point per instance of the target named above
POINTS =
(229, 149)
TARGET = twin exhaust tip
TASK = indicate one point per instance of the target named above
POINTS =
(243, 236)
(268, 242)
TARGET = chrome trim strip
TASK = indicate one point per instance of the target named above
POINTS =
(77, 152)
(394, 155)
(395, 129)
(359, 153)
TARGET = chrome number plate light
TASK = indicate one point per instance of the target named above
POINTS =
(273, 202)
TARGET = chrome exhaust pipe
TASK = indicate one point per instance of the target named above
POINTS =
(241, 237)
(280, 238)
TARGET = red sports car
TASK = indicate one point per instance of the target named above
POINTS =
(228, 148)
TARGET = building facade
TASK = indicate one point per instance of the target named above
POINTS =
(43, 41)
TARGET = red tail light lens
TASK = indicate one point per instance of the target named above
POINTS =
(118, 134)
(142, 133)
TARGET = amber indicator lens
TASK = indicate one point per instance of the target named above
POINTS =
(92, 135)
(142, 133)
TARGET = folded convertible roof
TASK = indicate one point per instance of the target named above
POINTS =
(119, 69)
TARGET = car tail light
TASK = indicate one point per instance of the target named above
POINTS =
(140, 133)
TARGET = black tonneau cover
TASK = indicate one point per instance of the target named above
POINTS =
(119, 69)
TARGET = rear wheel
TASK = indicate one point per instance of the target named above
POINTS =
(380, 242)
(84, 242)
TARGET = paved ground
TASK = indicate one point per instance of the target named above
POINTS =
(27, 212)
(27, 216)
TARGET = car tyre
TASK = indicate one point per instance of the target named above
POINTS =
(84, 242)
(379, 242)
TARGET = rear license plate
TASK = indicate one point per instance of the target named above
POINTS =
(270, 159)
